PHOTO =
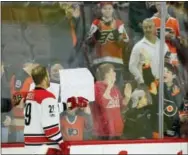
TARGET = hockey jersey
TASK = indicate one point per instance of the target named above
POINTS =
(172, 26)
(41, 120)
(73, 131)
(106, 47)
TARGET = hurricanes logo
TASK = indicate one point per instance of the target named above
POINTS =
(106, 36)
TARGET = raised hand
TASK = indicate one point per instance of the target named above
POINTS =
(128, 90)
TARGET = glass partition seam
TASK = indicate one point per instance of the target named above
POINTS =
(161, 68)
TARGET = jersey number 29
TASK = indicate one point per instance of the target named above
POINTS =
(28, 114)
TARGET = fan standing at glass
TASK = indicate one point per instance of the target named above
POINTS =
(108, 37)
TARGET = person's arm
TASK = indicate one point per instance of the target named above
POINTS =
(177, 28)
(27, 84)
(90, 39)
(102, 102)
(166, 49)
(127, 94)
(50, 118)
(177, 95)
(123, 33)
(133, 64)
(102, 96)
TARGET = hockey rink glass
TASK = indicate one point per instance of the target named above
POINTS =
(134, 85)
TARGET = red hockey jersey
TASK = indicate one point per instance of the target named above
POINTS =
(106, 113)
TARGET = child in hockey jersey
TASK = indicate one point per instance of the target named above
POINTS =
(108, 37)
(172, 102)
(76, 123)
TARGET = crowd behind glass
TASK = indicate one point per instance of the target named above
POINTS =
(119, 43)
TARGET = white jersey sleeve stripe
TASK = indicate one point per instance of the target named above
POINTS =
(57, 137)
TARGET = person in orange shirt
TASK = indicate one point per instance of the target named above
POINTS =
(75, 123)
(172, 31)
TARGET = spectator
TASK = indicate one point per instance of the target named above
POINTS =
(182, 47)
(72, 27)
(144, 65)
(145, 54)
(172, 31)
(138, 116)
(108, 36)
(55, 77)
(74, 122)
(109, 103)
(172, 91)
(54, 72)
(5, 107)
(177, 10)
(184, 119)
(138, 11)
(20, 82)
(172, 102)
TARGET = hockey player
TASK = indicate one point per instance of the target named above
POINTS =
(42, 116)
